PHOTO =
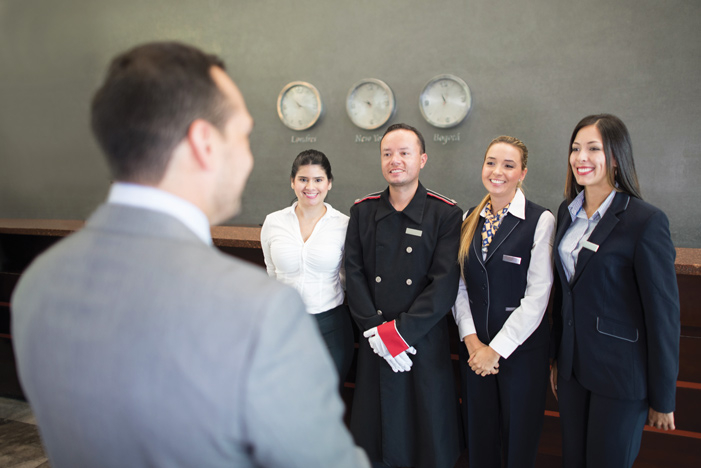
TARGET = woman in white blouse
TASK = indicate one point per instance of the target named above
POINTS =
(505, 257)
(303, 247)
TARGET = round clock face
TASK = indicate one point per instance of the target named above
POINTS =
(370, 103)
(445, 101)
(299, 105)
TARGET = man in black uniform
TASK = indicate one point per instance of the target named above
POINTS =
(402, 279)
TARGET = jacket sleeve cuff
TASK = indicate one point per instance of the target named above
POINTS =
(503, 345)
(391, 338)
(466, 327)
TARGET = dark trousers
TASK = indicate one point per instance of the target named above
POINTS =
(598, 431)
(336, 329)
(503, 413)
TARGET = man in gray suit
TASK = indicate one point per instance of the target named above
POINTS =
(140, 344)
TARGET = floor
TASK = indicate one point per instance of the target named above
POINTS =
(20, 446)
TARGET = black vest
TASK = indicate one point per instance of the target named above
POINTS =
(496, 285)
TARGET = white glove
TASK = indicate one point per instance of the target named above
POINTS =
(376, 343)
(396, 367)
(400, 363)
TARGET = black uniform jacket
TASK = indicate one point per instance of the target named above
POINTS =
(616, 323)
(403, 266)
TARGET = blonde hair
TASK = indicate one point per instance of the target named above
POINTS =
(469, 225)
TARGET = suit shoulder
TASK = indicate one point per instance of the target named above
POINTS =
(437, 196)
(369, 196)
(643, 207)
(562, 209)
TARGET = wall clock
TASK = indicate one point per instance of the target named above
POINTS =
(445, 101)
(370, 103)
(299, 105)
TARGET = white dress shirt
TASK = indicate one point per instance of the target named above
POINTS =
(579, 231)
(151, 198)
(524, 320)
(314, 267)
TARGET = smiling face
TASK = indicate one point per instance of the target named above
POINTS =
(311, 185)
(502, 171)
(588, 160)
(402, 159)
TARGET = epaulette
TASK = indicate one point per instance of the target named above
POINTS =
(370, 196)
(443, 198)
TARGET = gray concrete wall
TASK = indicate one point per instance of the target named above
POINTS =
(535, 68)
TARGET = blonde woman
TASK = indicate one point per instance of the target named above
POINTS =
(506, 261)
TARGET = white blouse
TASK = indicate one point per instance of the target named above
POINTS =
(313, 268)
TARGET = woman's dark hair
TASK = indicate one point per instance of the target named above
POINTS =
(617, 148)
(311, 157)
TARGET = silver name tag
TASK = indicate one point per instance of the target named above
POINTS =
(510, 259)
(414, 232)
(591, 246)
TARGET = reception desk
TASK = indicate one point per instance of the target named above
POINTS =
(21, 240)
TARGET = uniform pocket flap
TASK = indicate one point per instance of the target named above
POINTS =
(616, 329)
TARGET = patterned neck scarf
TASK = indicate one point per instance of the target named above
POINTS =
(491, 224)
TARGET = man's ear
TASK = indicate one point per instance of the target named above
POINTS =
(200, 138)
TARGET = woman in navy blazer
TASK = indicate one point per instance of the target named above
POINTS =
(616, 305)
(506, 259)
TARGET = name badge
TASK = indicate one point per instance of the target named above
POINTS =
(589, 245)
(414, 232)
(510, 259)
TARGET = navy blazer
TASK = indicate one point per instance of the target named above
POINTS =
(616, 324)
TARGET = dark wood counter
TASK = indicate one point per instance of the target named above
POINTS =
(21, 240)
(248, 237)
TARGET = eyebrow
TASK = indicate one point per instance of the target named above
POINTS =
(505, 160)
(588, 143)
(402, 148)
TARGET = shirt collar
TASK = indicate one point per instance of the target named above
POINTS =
(516, 208)
(414, 210)
(151, 198)
(578, 204)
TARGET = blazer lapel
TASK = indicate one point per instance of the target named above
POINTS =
(477, 241)
(601, 232)
(563, 224)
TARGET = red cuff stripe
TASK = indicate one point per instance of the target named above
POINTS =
(391, 338)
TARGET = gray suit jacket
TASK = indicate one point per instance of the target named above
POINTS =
(138, 345)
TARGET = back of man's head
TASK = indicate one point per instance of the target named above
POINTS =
(151, 95)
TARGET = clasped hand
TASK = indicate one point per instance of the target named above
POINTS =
(483, 359)
(400, 363)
